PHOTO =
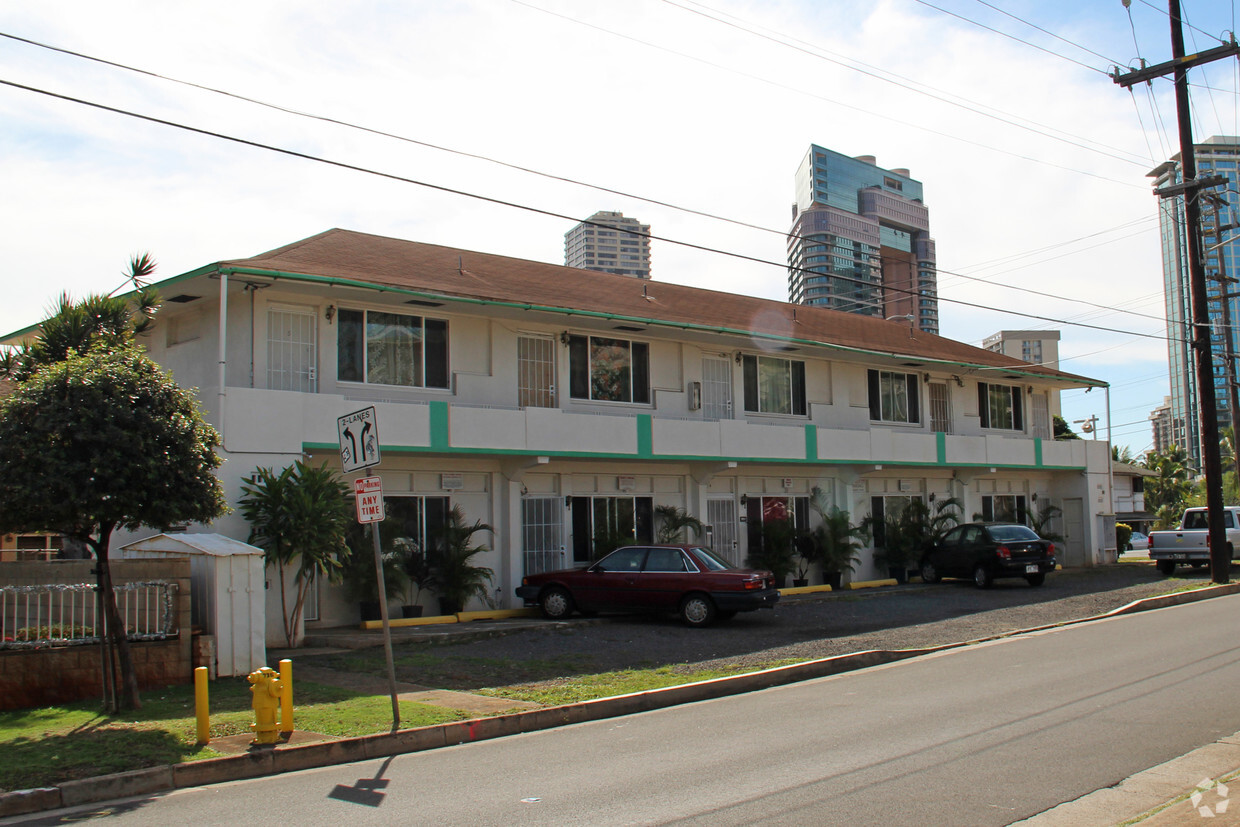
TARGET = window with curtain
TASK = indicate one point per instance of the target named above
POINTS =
(381, 348)
(774, 385)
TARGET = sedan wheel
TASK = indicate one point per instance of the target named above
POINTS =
(556, 603)
(981, 577)
(1036, 579)
(1166, 566)
(697, 610)
(928, 573)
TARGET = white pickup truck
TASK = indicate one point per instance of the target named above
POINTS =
(1188, 544)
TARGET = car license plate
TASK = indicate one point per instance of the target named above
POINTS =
(1179, 556)
(1032, 568)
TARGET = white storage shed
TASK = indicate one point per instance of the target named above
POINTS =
(228, 600)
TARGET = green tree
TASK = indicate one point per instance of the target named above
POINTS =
(298, 517)
(1123, 453)
(99, 442)
(1062, 430)
(95, 323)
(1171, 487)
(835, 541)
(673, 521)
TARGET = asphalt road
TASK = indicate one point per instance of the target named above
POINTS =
(983, 735)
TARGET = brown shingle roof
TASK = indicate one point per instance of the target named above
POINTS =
(448, 271)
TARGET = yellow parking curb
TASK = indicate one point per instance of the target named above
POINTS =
(805, 590)
(398, 622)
(870, 584)
(496, 614)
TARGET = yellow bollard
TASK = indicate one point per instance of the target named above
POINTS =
(201, 708)
(286, 695)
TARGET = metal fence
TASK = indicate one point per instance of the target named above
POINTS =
(62, 614)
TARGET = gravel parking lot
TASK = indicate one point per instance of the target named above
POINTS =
(800, 627)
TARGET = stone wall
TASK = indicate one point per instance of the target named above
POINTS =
(44, 677)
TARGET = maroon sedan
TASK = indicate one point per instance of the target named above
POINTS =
(689, 580)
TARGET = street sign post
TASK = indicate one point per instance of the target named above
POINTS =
(368, 493)
(359, 440)
(359, 449)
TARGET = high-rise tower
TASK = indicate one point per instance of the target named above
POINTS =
(609, 242)
(860, 240)
(1217, 155)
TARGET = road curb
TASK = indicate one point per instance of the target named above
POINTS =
(282, 759)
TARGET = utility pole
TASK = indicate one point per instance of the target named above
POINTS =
(1229, 348)
(1190, 188)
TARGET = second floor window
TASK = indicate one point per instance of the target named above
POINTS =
(608, 370)
(1000, 406)
(773, 385)
(894, 397)
(391, 349)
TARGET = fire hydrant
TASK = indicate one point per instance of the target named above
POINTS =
(266, 688)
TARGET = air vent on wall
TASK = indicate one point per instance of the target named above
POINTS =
(424, 303)
(629, 328)
(184, 298)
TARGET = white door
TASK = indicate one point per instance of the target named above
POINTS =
(1041, 417)
(1074, 532)
(542, 534)
(535, 372)
(291, 350)
(940, 408)
(716, 388)
(721, 517)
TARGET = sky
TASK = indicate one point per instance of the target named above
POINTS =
(1034, 161)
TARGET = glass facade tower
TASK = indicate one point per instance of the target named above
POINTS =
(1217, 155)
(860, 240)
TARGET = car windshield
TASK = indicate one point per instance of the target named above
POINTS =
(710, 560)
(1004, 533)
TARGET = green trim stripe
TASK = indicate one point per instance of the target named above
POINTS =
(811, 443)
(940, 447)
(645, 436)
(416, 450)
(440, 428)
(1037, 452)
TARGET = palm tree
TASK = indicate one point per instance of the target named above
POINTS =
(1171, 486)
(96, 322)
(1122, 453)
(456, 578)
(299, 516)
(674, 521)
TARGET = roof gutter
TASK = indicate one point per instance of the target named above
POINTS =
(596, 314)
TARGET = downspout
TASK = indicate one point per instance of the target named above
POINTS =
(222, 393)
(1110, 456)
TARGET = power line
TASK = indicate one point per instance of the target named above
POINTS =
(902, 82)
(475, 156)
(795, 90)
(504, 203)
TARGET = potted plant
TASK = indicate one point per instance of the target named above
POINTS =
(417, 571)
(360, 582)
(839, 544)
(672, 524)
(455, 577)
(775, 551)
(908, 534)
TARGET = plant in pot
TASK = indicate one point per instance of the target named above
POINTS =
(417, 571)
(776, 550)
(360, 582)
(456, 579)
(672, 524)
(908, 534)
(839, 545)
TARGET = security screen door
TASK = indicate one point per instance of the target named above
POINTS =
(716, 388)
(291, 350)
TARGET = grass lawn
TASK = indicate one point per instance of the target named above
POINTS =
(42, 747)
